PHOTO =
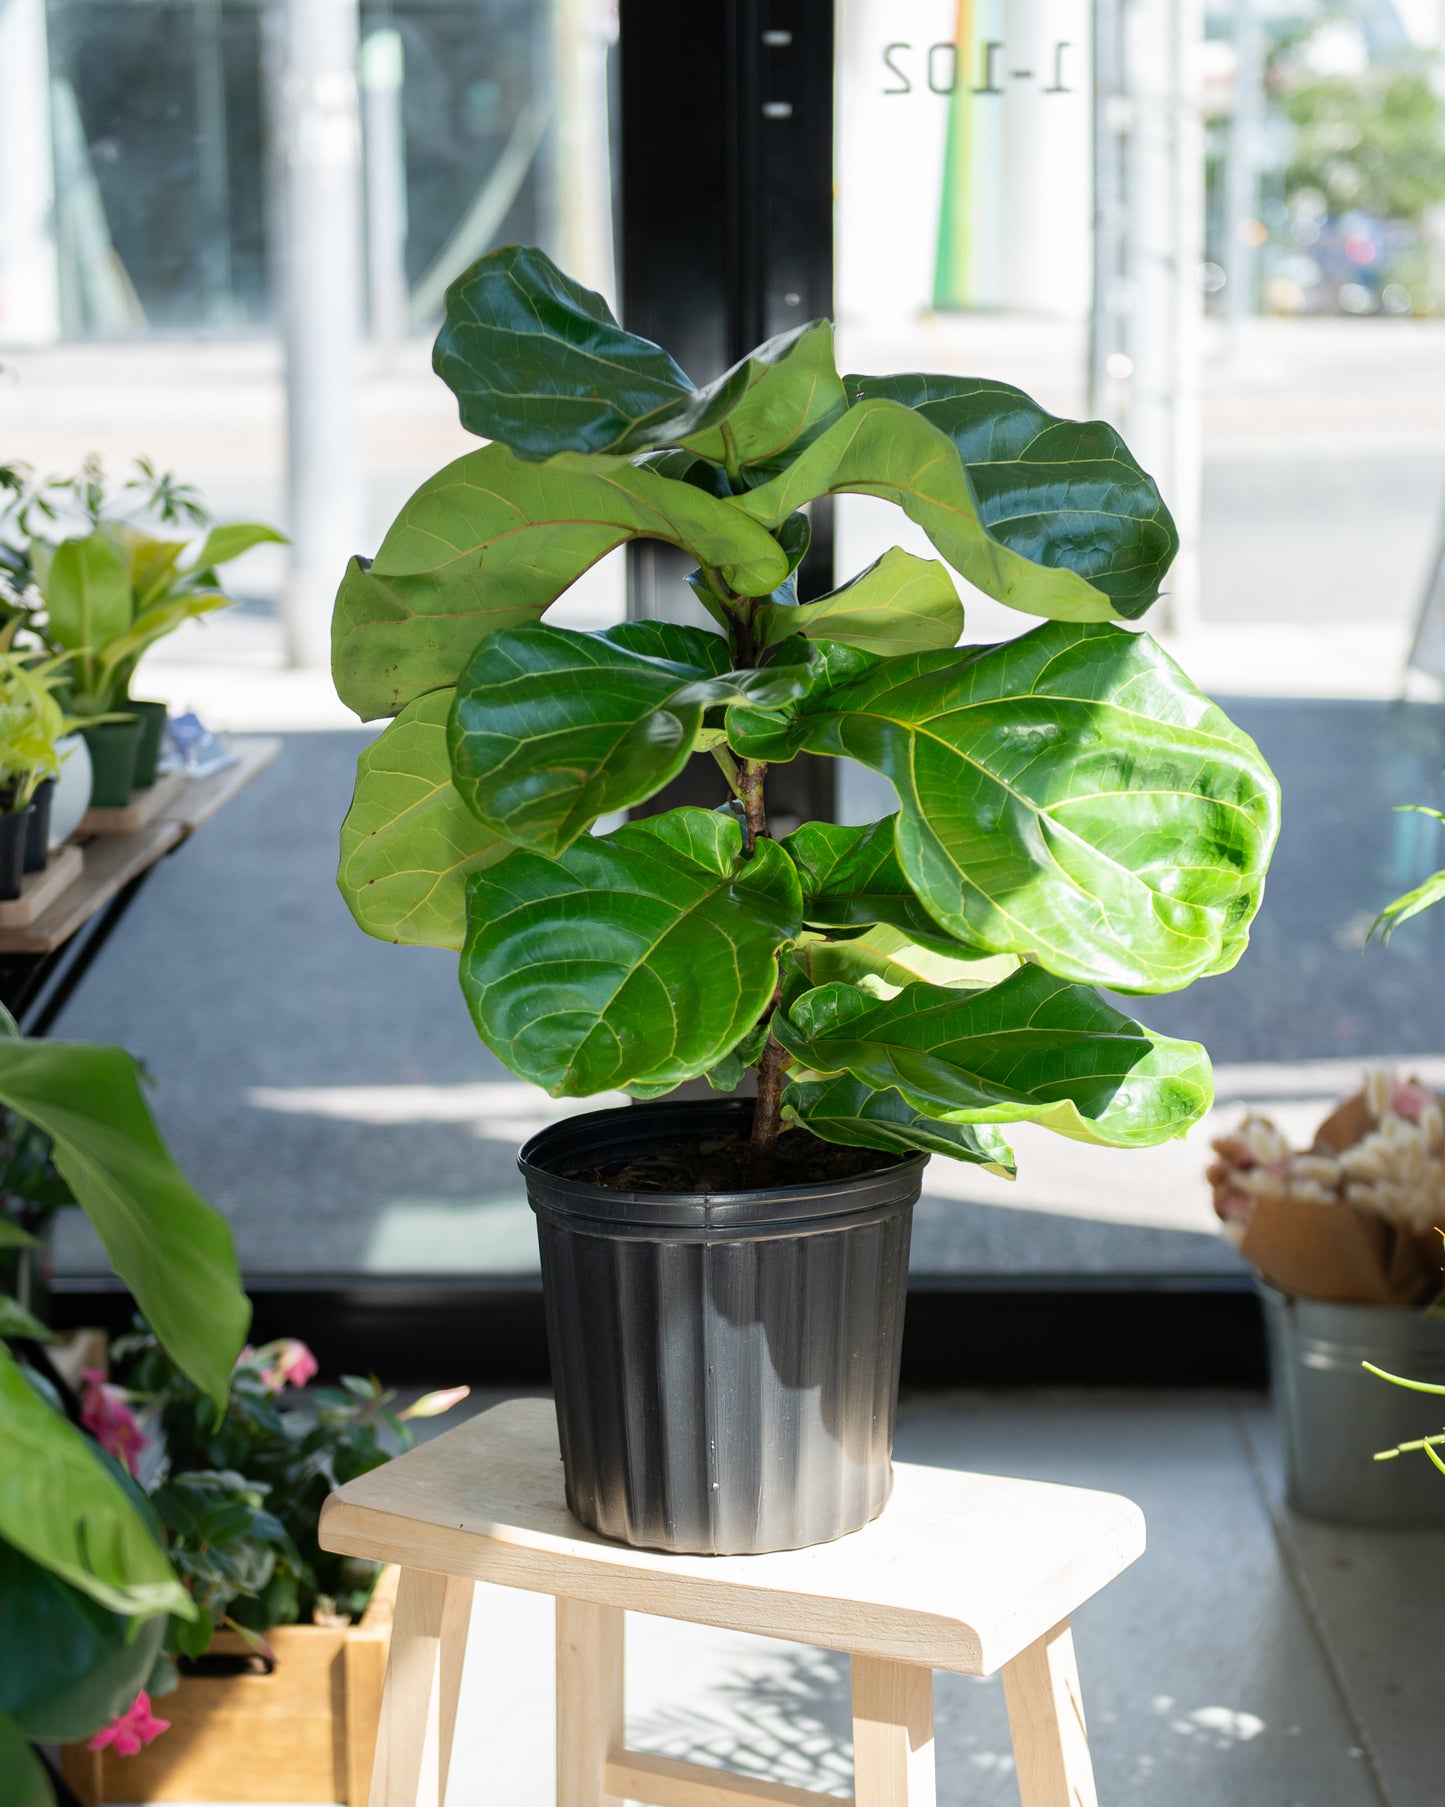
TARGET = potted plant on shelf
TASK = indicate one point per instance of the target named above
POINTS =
(86, 1590)
(725, 1281)
(107, 595)
(285, 1652)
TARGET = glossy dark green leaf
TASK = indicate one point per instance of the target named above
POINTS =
(1063, 493)
(731, 1070)
(409, 843)
(551, 728)
(1069, 797)
(900, 604)
(167, 1244)
(490, 542)
(851, 878)
(67, 1665)
(846, 1110)
(881, 448)
(538, 362)
(1031, 1048)
(60, 1507)
(635, 958)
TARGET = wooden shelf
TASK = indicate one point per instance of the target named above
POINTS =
(156, 803)
(40, 890)
(111, 860)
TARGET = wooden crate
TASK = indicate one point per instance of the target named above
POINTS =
(38, 890)
(305, 1732)
(157, 802)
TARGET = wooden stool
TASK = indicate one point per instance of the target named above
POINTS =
(964, 1572)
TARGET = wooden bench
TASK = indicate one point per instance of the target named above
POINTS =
(963, 1572)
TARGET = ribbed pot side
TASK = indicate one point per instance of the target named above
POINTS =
(726, 1364)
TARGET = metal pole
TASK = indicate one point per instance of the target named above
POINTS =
(29, 266)
(320, 133)
(1109, 298)
(384, 144)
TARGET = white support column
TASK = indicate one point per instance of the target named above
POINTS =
(29, 268)
(384, 143)
(320, 163)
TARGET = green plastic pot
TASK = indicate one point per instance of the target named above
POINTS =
(114, 747)
(153, 729)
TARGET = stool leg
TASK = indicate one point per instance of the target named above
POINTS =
(1046, 1717)
(419, 1697)
(892, 1734)
(589, 1700)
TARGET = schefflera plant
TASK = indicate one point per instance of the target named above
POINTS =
(1072, 814)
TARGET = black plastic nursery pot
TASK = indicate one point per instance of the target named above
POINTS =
(37, 834)
(14, 827)
(152, 718)
(725, 1364)
(113, 749)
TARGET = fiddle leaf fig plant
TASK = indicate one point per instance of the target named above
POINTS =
(1072, 813)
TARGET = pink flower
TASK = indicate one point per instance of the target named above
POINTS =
(1408, 1098)
(135, 1727)
(285, 1363)
(105, 1412)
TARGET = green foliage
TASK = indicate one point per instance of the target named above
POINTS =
(243, 1495)
(1375, 143)
(1072, 811)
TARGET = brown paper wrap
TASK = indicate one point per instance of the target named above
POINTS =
(1335, 1251)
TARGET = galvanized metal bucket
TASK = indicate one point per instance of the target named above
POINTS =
(1333, 1416)
(725, 1364)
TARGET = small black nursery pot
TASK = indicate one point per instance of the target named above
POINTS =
(725, 1364)
(14, 827)
(37, 837)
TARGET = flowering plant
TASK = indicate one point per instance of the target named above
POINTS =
(241, 1496)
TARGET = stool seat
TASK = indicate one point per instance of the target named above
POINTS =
(963, 1572)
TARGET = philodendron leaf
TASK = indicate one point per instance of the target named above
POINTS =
(538, 362)
(87, 591)
(166, 1243)
(1031, 1048)
(851, 879)
(551, 728)
(900, 604)
(230, 539)
(1069, 797)
(409, 843)
(60, 1507)
(882, 960)
(490, 542)
(881, 448)
(1063, 493)
(638, 958)
(844, 1109)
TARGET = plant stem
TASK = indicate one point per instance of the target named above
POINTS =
(731, 463)
(749, 788)
(767, 1114)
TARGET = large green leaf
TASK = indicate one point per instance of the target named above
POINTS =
(900, 604)
(1063, 493)
(1031, 1048)
(881, 448)
(790, 393)
(60, 1507)
(68, 1666)
(851, 878)
(489, 542)
(172, 1250)
(87, 592)
(551, 729)
(638, 958)
(538, 362)
(846, 1110)
(23, 1780)
(409, 843)
(882, 960)
(1069, 797)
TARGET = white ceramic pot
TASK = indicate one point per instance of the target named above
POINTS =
(72, 788)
